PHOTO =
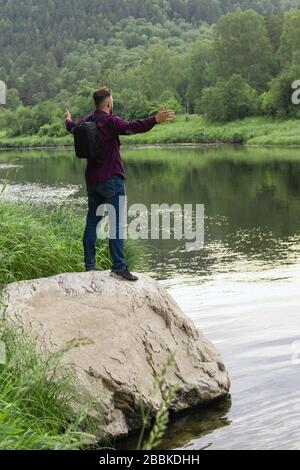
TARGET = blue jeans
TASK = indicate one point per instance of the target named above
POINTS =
(98, 195)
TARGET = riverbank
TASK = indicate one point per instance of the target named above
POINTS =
(189, 129)
(38, 243)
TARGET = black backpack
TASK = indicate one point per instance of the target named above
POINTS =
(87, 139)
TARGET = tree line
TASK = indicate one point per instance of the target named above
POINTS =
(221, 58)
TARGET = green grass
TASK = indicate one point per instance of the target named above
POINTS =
(195, 130)
(42, 404)
(40, 242)
(34, 141)
(192, 129)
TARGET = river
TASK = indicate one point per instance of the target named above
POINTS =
(241, 289)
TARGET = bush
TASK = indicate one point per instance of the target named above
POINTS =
(229, 100)
(54, 129)
(278, 102)
(267, 104)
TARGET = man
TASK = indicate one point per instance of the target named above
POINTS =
(105, 177)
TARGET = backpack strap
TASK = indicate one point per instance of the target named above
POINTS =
(99, 117)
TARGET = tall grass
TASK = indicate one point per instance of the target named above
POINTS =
(40, 242)
(42, 405)
(161, 420)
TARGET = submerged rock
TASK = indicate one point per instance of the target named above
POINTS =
(133, 328)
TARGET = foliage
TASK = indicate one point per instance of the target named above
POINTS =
(38, 242)
(290, 40)
(194, 129)
(243, 47)
(151, 53)
(229, 100)
(278, 101)
(42, 405)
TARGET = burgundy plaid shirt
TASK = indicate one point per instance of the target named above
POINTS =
(110, 128)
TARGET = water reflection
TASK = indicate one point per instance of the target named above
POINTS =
(189, 426)
(253, 318)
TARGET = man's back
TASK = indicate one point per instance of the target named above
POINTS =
(105, 179)
(110, 128)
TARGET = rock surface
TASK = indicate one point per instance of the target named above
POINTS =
(134, 328)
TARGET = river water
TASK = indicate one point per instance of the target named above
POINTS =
(241, 289)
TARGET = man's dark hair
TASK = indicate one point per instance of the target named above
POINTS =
(101, 95)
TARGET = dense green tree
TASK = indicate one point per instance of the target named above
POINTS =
(261, 6)
(278, 101)
(158, 73)
(58, 43)
(200, 68)
(229, 99)
(274, 24)
(243, 47)
(290, 50)
(152, 53)
(13, 99)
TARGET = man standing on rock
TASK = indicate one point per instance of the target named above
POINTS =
(105, 177)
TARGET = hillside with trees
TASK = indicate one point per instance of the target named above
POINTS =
(225, 59)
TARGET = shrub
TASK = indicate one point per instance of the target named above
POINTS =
(229, 100)
(279, 100)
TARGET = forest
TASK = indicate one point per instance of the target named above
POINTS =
(222, 59)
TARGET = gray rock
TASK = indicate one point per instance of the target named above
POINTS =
(134, 328)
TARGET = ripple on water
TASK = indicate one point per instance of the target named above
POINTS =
(8, 166)
(254, 320)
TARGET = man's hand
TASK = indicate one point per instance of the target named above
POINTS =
(164, 115)
(68, 114)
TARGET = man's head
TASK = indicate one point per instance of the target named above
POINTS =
(104, 100)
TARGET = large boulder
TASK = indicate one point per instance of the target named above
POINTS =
(133, 328)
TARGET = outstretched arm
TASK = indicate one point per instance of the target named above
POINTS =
(70, 124)
(139, 126)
